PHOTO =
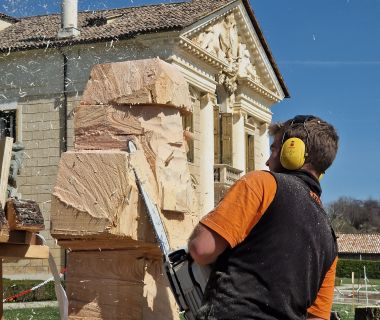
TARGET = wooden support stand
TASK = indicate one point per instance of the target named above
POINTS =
(19, 222)
(22, 245)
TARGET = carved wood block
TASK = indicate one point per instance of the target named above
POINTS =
(149, 81)
(24, 215)
(96, 196)
(134, 286)
(159, 133)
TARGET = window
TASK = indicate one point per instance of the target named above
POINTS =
(222, 137)
(8, 124)
(250, 153)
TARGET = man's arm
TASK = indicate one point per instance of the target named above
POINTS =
(205, 245)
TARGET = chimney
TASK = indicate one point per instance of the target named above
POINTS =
(69, 19)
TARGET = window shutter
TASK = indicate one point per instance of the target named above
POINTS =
(250, 152)
(216, 136)
(227, 138)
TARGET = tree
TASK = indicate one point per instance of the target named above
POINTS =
(350, 215)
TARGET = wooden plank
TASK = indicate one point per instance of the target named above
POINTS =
(4, 227)
(1, 289)
(23, 251)
(5, 162)
(24, 215)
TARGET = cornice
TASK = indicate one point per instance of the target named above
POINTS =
(193, 74)
(253, 107)
(249, 83)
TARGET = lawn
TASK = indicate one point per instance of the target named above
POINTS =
(52, 313)
(345, 311)
(48, 313)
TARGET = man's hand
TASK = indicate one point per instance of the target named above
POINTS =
(205, 245)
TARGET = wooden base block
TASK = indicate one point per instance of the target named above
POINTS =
(118, 284)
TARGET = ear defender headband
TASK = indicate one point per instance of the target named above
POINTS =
(294, 150)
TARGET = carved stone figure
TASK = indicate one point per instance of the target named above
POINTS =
(221, 39)
(245, 65)
(230, 36)
(16, 162)
(210, 40)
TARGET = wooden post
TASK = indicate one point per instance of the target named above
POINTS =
(1, 289)
(353, 290)
(367, 313)
(5, 161)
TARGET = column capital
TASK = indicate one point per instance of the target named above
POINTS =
(263, 128)
(238, 111)
(208, 97)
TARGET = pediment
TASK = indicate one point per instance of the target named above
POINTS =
(229, 40)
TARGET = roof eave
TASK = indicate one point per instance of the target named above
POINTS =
(72, 41)
(266, 47)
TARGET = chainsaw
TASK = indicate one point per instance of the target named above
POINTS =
(187, 279)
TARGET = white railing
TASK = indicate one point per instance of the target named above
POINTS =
(223, 173)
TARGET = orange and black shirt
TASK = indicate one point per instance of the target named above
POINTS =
(283, 253)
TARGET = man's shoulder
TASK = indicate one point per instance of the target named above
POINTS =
(260, 179)
(263, 175)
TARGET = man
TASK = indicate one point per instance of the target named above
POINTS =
(272, 248)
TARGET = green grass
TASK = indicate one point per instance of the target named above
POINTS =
(345, 311)
(48, 313)
(374, 282)
(52, 313)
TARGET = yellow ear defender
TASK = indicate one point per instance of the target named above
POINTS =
(293, 150)
(292, 155)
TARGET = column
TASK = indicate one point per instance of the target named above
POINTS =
(238, 141)
(264, 147)
(206, 128)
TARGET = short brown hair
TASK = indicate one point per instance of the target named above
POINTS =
(320, 138)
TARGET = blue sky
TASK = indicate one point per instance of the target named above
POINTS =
(328, 52)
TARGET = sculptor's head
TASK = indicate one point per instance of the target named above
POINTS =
(320, 139)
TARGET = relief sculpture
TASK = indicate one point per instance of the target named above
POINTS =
(222, 40)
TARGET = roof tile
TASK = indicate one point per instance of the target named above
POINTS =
(359, 243)
(38, 31)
